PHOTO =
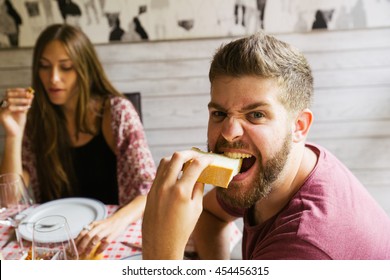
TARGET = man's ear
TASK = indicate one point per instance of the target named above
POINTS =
(302, 125)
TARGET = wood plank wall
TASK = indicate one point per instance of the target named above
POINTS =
(352, 87)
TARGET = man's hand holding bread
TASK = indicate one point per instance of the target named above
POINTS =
(174, 202)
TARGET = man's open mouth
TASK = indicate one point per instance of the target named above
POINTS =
(247, 160)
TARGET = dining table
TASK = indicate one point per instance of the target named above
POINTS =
(125, 246)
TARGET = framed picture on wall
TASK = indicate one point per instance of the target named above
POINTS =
(135, 20)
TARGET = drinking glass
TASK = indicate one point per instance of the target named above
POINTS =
(52, 240)
(14, 201)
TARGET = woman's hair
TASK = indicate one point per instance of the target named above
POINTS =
(46, 124)
(264, 56)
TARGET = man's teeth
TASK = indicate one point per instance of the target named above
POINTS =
(237, 155)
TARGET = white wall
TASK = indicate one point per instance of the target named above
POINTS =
(352, 86)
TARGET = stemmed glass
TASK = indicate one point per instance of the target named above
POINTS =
(52, 240)
(14, 200)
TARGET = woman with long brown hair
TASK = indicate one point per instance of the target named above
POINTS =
(77, 135)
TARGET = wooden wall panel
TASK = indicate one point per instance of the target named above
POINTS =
(351, 107)
(179, 112)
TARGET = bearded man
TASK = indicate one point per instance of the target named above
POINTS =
(298, 200)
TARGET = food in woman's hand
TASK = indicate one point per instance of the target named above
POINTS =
(220, 172)
(92, 255)
(29, 254)
(30, 90)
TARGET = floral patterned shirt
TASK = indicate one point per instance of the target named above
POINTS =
(135, 166)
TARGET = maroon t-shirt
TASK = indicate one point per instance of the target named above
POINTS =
(332, 216)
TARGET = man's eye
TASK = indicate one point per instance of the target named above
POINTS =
(218, 115)
(255, 117)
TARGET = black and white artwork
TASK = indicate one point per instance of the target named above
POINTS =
(106, 21)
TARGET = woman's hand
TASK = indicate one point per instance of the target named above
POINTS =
(13, 110)
(173, 206)
(99, 233)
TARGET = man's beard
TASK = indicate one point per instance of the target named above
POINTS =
(236, 196)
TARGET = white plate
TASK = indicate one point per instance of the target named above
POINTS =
(78, 212)
(133, 257)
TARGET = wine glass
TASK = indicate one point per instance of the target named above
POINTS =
(52, 240)
(14, 197)
(14, 201)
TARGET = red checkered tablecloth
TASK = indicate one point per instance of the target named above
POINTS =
(116, 250)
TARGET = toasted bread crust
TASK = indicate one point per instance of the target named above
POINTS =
(216, 175)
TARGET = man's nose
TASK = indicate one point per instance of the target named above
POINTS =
(232, 129)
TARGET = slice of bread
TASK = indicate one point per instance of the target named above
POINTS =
(220, 172)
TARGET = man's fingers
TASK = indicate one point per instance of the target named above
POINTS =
(169, 169)
(195, 168)
(198, 192)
